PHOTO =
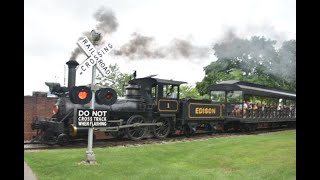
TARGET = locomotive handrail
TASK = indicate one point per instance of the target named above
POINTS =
(140, 124)
(116, 128)
(268, 114)
(66, 116)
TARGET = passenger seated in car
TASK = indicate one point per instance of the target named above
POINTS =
(235, 110)
(245, 108)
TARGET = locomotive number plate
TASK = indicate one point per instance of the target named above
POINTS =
(166, 105)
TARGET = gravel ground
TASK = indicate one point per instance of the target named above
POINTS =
(113, 142)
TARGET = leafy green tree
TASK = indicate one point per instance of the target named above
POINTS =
(116, 79)
(188, 91)
(255, 60)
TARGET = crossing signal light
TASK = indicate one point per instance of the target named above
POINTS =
(80, 94)
(106, 96)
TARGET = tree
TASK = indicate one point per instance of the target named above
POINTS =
(255, 60)
(116, 79)
(187, 91)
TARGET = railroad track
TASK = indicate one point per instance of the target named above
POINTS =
(113, 142)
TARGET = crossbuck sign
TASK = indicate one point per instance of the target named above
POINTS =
(94, 57)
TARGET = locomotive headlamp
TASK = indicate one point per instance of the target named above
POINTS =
(106, 96)
(55, 109)
(80, 94)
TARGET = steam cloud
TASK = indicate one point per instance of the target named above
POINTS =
(107, 21)
(258, 50)
(145, 47)
(139, 47)
(142, 47)
(106, 24)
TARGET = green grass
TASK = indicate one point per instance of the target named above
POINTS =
(265, 156)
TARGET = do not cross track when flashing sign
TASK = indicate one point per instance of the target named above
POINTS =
(94, 57)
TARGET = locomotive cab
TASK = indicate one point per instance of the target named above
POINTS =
(162, 96)
(162, 105)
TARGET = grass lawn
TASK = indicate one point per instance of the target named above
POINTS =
(264, 156)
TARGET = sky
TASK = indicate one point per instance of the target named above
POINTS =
(53, 27)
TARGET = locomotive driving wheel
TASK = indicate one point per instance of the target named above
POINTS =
(162, 131)
(63, 140)
(116, 134)
(188, 131)
(138, 132)
(209, 128)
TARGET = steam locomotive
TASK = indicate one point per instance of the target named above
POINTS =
(153, 105)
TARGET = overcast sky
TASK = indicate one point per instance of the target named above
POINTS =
(52, 29)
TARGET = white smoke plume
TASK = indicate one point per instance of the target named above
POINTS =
(258, 51)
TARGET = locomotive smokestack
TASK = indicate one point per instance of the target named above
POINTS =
(72, 64)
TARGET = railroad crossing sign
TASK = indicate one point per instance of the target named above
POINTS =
(94, 57)
(94, 60)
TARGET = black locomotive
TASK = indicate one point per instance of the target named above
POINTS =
(153, 105)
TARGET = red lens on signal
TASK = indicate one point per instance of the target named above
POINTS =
(109, 95)
(82, 94)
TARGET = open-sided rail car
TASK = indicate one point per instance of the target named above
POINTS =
(271, 107)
